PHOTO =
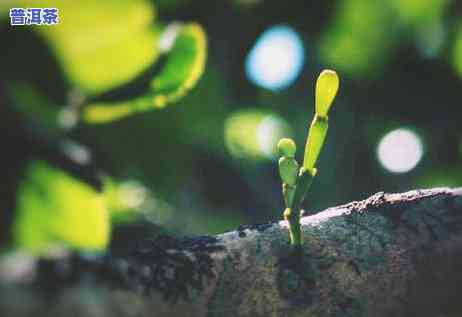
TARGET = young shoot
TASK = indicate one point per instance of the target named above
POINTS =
(297, 181)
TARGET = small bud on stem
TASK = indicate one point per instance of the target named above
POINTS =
(287, 147)
(297, 183)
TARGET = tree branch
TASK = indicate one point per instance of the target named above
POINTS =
(388, 255)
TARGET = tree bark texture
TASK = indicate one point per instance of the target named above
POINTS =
(388, 255)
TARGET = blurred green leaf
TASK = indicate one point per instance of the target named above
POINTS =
(100, 44)
(356, 41)
(103, 44)
(417, 12)
(184, 66)
(54, 208)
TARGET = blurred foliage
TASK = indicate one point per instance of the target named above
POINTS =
(358, 41)
(419, 13)
(54, 208)
(94, 49)
(181, 71)
(97, 53)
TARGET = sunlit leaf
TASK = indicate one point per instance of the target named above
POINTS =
(99, 44)
(54, 208)
(183, 67)
(315, 142)
(326, 90)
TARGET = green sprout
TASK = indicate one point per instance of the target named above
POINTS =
(297, 181)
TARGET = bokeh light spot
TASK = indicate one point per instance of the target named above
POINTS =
(132, 194)
(276, 59)
(253, 134)
(400, 151)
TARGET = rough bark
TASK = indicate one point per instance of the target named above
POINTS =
(388, 255)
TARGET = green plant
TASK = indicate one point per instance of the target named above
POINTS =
(297, 181)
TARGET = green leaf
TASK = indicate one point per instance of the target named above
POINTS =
(315, 141)
(56, 209)
(100, 44)
(326, 90)
(305, 179)
(184, 66)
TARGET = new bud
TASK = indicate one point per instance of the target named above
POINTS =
(288, 170)
(287, 147)
(326, 90)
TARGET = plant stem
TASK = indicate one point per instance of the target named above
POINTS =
(292, 213)
(288, 194)
(294, 227)
(305, 179)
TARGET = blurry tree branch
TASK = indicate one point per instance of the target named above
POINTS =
(388, 255)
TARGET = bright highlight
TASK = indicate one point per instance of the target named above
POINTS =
(276, 59)
(400, 151)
